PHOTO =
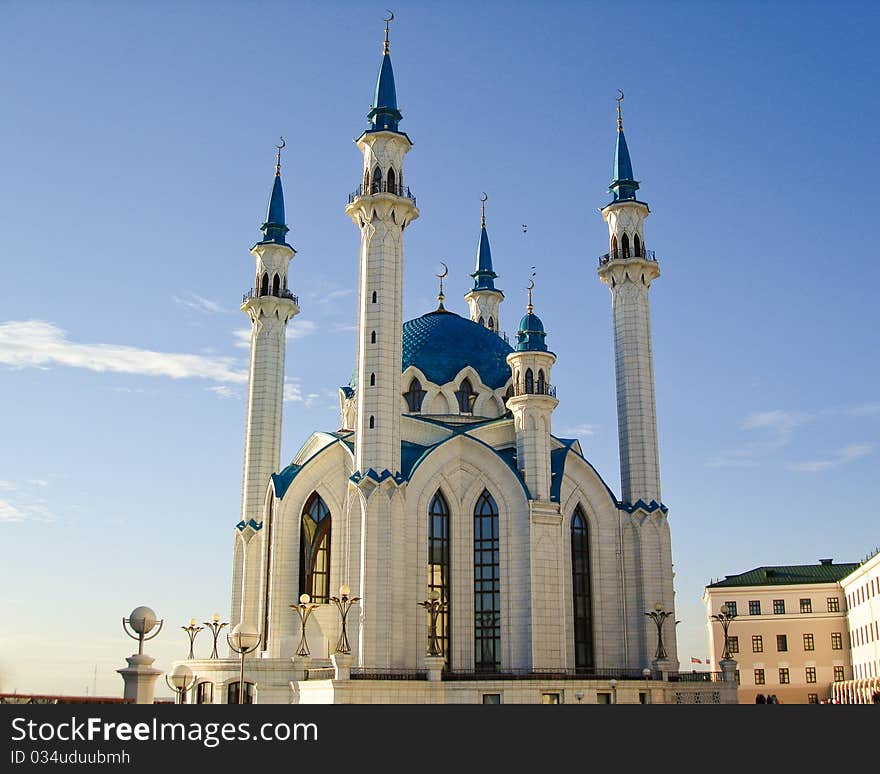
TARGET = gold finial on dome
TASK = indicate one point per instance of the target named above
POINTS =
(619, 114)
(387, 23)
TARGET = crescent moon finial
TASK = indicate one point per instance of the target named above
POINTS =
(440, 295)
(387, 22)
(278, 156)
(531, 285)
(483, 199)
(390, 18)
(619, 114)
(445, 271)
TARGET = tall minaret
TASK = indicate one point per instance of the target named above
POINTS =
(269, 305)
(381, 208)
(532, 402)
(484, 299)
(628, 270)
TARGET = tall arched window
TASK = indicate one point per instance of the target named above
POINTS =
(614, 246)
(438, 568)
(624, 245)
(415, 395)
(374, 296)
(314, 565)
(276, 285)
(373, 337)
(480, 321)
(466, 397)
(392, 183)
(377, 181)
(264, 285)
(372, 422)
(232, 693)
(372, 380)
(491, 324)
(487, 586)
(542, 385)
(530, 381)
(637, 246)
(581, 594)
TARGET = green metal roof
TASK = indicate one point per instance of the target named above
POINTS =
(824, 572)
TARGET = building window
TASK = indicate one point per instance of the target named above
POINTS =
(783, 676)
(438, 568)
(372, 422)
(491, 698)
(530, 381)
(809, 642)
(806, 605)
(232, 693)
(581, 594)
(759, 677)
(415, 396)
(314, 566)
(733, 644)
(833, 605)
(781, 643)
(205, 693)
(466, 397)
(838, 674)
(487, 586)
(372, 380)
(603, 698)
(836, 641)
(811, 674)
(550, 698)
(374, 296)
(736, 675)
(812, 698)
(731, 608)
(757, 643)
(778, 607)
(542, 384)
(754, 607)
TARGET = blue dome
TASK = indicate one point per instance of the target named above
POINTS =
(530, 336)
(440, 344)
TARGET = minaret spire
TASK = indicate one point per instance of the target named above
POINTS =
(623, 185)
(484, 298)
(384, 115)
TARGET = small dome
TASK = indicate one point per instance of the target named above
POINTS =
(441, 343)
(530, 336)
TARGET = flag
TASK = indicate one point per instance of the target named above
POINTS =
(696, 661)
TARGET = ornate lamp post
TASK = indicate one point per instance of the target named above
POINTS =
(244, 639)
(724, 617)
(343, 604)
(192, 630)
(182, 679)
(141, 622)
(215, 626)
(658, 615)
(140, 676)
(433, 605)
(304, 610)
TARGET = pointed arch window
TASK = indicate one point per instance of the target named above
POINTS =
(314, 566)
(508, 394)
(377, 181)
(491, 324)
(372, 422)
(415, 395)
(487, 586)
(624, 245)
(614, 246)
(372, 380)
(530, 381)
(373, 337)
(392, 182)
(480, 321)
(637, 246)
(374, 296)
(264, 285)
(581, 590)
(438, 567)
(276, 285)
(542, 385)
(466, 397)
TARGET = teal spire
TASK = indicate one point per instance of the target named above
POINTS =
(531, 334)
(484, 276)
(623, 186)
(275, 228)
(384, 114)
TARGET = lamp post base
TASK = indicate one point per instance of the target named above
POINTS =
(140, 679)
(435, 666)
(342, 665)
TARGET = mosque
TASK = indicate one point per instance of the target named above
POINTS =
(443, 545)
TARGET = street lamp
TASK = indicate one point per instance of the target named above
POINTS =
(343, 604)
(658, 615)
(215, 626)
(141, 621)
(724, 617)
(304, 610)
(433, 605)
(182, 680)
(244, 639)
(613, 683)
(192, 630)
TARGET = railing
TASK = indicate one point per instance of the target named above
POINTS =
(537, 389)
(253, 293)
(697, 677)
(361, 673)
(548, 674)
(383, 187)
(320, 673)
(614, 255)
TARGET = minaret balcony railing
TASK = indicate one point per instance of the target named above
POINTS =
(382, 187)
(623, 255)
(283, 293)
(538, 389)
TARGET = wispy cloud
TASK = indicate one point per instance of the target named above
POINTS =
(10, 513)
(40, 344)
(242, 337)
(580, 430)
(225, 392)
(783, 422)
(38, 482)
(299, 329)
(7, 485)
(837, 458)
(292, 393)
(198, 303)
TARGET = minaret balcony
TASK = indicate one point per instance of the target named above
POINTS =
(536, 389)
(383, 188)
(623, 255)
(282, 293)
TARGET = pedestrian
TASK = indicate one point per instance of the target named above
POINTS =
(759, 699)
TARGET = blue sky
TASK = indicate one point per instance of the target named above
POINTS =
(136, 160)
